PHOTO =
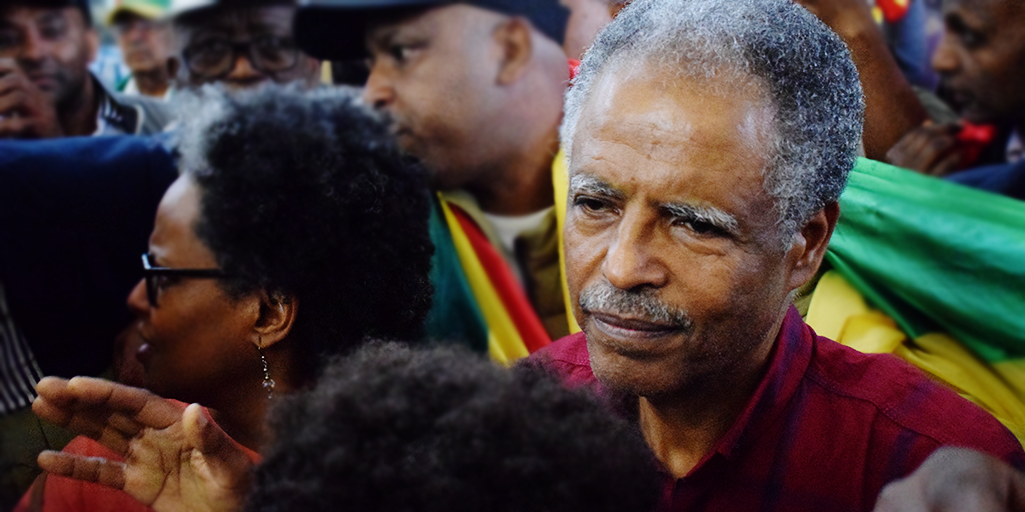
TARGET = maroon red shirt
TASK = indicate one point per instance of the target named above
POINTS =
(826, 428)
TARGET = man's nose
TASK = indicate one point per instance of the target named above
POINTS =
(631, 260)
(945, 59)
(138, 302)
(243, 73)
(34, 48)
(379, 91)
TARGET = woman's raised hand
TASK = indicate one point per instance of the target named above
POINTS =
(175, 459)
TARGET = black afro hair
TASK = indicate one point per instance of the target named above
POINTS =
(305, 195)
(400, 429)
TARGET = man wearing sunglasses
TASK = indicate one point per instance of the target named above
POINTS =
(241, 44)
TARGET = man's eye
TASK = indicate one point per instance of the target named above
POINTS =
(165, 282)
(590, 204)
(972, 39)
(700, 227)
(403, 53)
(53, 30)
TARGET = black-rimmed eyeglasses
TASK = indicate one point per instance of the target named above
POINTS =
(153, 276)
(215, 58)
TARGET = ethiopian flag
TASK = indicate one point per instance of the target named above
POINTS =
(477, 299)
(933, 272)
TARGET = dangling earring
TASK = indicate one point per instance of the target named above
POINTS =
(268, 383)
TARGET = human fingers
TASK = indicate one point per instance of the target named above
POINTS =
(83, 406)
(921, 149)
(13, 101)
(208, 438)
(14, 81)
(222, 459)
(901, 496)
(139, 404)
(8, 65)
(90, 469)
(946, 164)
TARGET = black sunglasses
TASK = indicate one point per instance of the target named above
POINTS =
(153, 274)
(214, 59)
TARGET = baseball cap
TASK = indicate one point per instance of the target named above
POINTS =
(146, 9)
(179, 7)
(336, 29)
(82, 5)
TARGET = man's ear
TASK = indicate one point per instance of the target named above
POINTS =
(276, 318)
(811, 244)
(514, 38)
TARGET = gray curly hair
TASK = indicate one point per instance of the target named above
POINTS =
(805, 70)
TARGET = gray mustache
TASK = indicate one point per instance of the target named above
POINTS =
(643, 304)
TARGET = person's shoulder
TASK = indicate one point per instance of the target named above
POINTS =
(568, 359)
(1006, 179)
(902, 395)
(155, 115)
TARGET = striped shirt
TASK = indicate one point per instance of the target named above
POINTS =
(19, 372)
(826, 428)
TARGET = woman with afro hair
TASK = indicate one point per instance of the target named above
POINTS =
(295, 231)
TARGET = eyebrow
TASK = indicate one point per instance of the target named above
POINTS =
(707, 214)
(590, 184)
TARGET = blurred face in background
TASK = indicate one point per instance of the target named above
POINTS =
(241, 47)
(52, 46)
(981, 59)
(145, 44)
(586, 19)
(435, 74)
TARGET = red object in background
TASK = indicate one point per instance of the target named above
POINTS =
(893, 10)
(972, 139)
(574, 68)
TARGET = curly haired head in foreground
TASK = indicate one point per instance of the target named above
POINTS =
(395, 429)
(305, 195)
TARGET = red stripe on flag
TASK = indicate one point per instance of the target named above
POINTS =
(516, 304)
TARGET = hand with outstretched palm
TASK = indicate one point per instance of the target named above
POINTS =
(174, 459)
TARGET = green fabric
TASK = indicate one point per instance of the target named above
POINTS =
(935, 256)
(454, 316)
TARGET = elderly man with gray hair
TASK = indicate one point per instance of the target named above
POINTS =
(708, 144)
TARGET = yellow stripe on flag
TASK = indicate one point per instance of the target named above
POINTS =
(504, 342)
(838, 311)
(560, 178)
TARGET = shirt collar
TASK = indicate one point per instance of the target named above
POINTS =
(791, 356)
(113, 118)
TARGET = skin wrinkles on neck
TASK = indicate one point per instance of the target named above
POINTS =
(683, 428)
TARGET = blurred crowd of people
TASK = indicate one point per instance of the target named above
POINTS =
(518, 255)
